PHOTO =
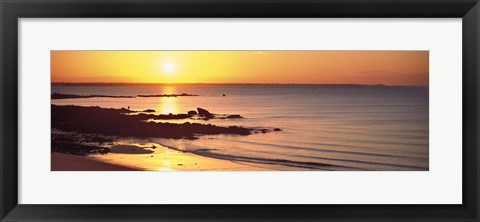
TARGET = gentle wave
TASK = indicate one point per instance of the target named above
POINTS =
(328, 151)
(291, 163)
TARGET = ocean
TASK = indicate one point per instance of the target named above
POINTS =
(347, 126)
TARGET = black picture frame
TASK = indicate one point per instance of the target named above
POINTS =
(12, 10)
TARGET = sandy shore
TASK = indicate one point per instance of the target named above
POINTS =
(165, 159)
(67, 162)
(134, 157)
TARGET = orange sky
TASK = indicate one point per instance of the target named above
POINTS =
(301, 67)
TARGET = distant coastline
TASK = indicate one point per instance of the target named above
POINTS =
(207, 84)
(74, 96)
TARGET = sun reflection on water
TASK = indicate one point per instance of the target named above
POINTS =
(168, 105)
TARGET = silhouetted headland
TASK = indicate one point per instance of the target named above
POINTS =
(114, 122)
(73, 96)
(167, 95)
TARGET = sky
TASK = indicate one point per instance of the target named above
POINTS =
(280, 67)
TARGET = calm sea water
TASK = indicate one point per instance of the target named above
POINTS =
(351, 127)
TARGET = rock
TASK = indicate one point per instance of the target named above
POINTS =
(192, 113)
(223, 95)
(264, 130)
(191, 138)
(169, 116)
(149, 111)
(277, 129)
(204, 113)
(104, 151)
(235, 116)
(113, 123)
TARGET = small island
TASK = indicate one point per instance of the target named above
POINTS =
(73, 96)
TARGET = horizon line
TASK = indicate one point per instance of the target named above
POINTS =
(127, 83)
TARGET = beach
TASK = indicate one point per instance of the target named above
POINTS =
(163, 160)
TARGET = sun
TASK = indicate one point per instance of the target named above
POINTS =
(169, 67)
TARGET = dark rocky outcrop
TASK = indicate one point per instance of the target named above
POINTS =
(76, 144)
(192, 113)
(144, 116)
(234, 116)
(204, 113)
(113, 122)
(130, 149)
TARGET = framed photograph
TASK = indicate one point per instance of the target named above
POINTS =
(239, 110)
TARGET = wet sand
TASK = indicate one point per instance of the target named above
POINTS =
(165, 159)
(68, 162)
(162, 159)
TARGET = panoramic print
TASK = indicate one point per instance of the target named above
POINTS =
(239, 110)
